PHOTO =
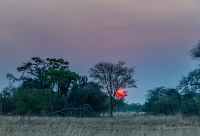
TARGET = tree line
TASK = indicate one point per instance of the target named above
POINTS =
(49, 87)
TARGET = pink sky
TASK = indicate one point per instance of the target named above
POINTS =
(152, 35)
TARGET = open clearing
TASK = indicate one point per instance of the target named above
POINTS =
(128, 124)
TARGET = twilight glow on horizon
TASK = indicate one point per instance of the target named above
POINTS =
(154, 36)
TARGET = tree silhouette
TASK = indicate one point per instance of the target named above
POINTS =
(112, 77)
(49, 73)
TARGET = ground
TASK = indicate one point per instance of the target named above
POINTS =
(122, 124)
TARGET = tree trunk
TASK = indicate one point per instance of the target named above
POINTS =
(29, 118)
(111, 106)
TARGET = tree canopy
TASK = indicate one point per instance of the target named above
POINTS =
(163, 100)
(195, 52)
(49, 73)
(191, 82)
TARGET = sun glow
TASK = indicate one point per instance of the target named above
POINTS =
(120, 93)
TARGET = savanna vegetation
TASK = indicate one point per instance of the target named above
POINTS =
(48, 91)
(47, 87)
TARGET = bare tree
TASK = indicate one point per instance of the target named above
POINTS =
(112, 77)
(195, 52)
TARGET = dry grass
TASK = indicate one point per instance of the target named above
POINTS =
(121, 125)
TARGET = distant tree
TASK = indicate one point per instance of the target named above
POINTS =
(136, 106)
(118, 104)
(195, 52)
(143, 108)
(31, 101)
(163, 100)
(156, 94)
(112, 77)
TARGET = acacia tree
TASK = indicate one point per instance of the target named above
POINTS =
(112, 77)
(49, 73)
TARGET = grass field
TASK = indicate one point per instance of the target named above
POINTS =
(127, 124)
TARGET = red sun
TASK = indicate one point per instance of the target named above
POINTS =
(120, 93)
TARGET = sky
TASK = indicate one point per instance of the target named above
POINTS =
(154, 36)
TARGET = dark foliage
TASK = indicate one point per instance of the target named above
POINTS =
(163, 100)
(7, 106)
(89, 94)
(195, 52)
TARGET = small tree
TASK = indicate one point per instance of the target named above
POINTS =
(112, 77)
(31, 101)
